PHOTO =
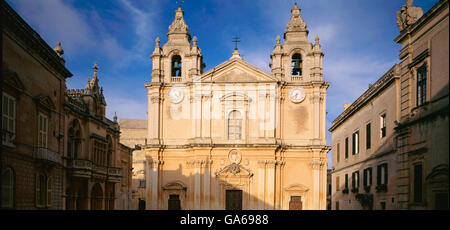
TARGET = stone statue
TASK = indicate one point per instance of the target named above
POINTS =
(408, 15)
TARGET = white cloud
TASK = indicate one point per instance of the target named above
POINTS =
(56, 21)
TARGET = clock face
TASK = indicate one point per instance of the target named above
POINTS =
(297, 94)
(176, 95)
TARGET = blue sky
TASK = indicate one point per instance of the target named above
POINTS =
(356, 36)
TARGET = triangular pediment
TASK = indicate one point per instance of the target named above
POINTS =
(236, 71)
(11, 79)
(45, 101)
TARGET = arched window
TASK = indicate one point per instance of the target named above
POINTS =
(234, 125)
(43, 191)
(74, 141)
(176, 66)
(297, 65)
(7, 188)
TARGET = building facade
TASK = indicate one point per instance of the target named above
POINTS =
(33, 87)
(236, 137)
(364, 160)
(422, 132)
(404, 117)
(59, 151)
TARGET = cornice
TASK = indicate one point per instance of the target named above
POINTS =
(383, 82)
(13, 23)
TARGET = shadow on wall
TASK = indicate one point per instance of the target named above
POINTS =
(378, 178)
(227, 189)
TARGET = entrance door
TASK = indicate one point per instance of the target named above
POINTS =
(174, 202)
(234, 200)
(295, 203)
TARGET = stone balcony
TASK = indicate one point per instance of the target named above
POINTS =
(176, 79)
(296, 78)
(80, 168)
(47, 155)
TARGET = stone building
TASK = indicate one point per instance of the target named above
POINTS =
(236, 137)
(422, 131)
(59, 151)
(409, 107)
(364, 160)
(133, 133)
(98, 166)
(33, 88)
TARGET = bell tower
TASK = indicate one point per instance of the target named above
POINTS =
(178, 60)
(297, 59)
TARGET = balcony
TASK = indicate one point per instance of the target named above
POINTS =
(47, 155)
(176, 79)
(345, 191)
(355, 190)
(8, 138)
(381, 188)
(296, 78)
(80, 168)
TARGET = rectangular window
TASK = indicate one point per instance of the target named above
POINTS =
(43, 131)
(141, 183)
(355, 143)
(346, 181)
(368, 137)
(99, 153)
(421, 85)
(346, 148)
(367, 177)
(338, 154)
(337, 184)
(382, 174)
(8, 119)
(383, 125)
(418, 183)
(355, 179)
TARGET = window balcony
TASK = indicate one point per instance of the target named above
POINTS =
(8, 138)
(80, 168)
(47, 155)
(381, 188)
(296, 78)
(176, 79)
(345, 191)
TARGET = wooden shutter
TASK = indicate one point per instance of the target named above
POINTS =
(49, 191)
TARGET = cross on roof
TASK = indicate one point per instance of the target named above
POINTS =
(236, 40)
(180, 2)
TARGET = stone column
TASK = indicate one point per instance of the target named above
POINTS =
(197, 184)
(316, 165)
(270, 195)
(154, 176)
(261, 184)
(206, 184)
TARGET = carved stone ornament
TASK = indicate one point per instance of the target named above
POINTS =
(297, 94)
(408, 15)
(296, 24)
(176, 95)
(235, 157)
(178, 24)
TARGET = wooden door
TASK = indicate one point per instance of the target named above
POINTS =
(233, 200)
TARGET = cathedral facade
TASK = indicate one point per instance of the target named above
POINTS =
(235, 137)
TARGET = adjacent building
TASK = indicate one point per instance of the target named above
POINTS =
(390, 147)
(422, 131)
(58, 149)
(235, 137)
(364, 154)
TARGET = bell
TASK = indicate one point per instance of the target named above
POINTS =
(176, 64)
(297, 64)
